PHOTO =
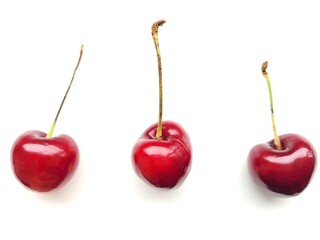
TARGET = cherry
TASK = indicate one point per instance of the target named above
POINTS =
(162, 155)
(286, 164)
(42, 162)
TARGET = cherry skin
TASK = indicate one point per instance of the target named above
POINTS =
(286, 171)
(164, 163)
(44, 164)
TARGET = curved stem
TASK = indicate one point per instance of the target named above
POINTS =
(277, 142)
(154, 28)
(65, 95)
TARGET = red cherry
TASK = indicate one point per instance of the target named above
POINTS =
(42, 162)
(162, 155)
(164, 163)
(287, 171)
(286, 164)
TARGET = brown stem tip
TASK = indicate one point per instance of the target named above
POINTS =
(264, 68)
(156, 25)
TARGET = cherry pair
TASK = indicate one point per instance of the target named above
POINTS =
(163, 154)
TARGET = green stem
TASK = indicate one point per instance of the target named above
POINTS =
(49, 135)
(154, 28)
(277, 142)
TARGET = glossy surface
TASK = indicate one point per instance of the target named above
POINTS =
(43, 164)
(164, 163)
(287, 171)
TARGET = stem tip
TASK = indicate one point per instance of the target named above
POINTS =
(264, 68)
(156, 25)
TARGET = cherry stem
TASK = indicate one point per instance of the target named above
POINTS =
(277, 142)
(49, 135)
(154, 28)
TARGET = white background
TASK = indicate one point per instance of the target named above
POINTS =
(212, 53)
